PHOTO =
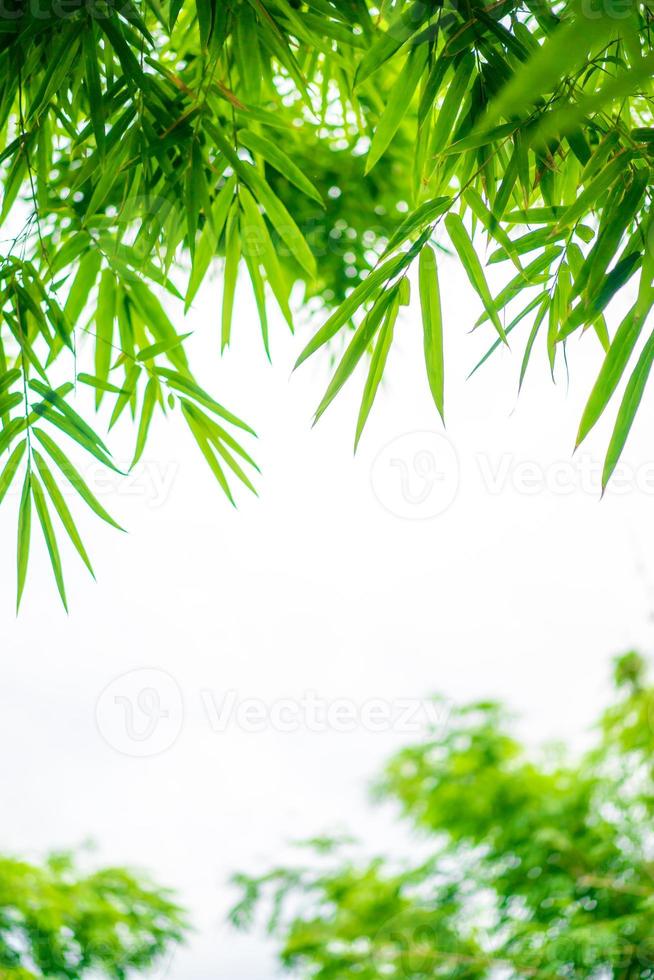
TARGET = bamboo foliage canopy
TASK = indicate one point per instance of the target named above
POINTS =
(321, 149)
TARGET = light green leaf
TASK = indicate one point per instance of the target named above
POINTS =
(432, 322)
(630, 402)
(24, 530)
(61, 508)
(398, 103)
(49, 535)
(472, 266)
(73, 476)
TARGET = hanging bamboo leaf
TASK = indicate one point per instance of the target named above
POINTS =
(432, 322)
(24, 531)
(398, 103)
(472, 266)
(61, 508)
(377, 365)
(628, 408)
(49, 535)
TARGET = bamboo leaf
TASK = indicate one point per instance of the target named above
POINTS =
(398, 103)
(49, 535)
(377, 365)
(73, 476)
(24, 531)
(149, 402)
(432, 323)
(280, 160)
(628, 408)
(11, 467)
(61, 508)
(232, 259)
(472, 266)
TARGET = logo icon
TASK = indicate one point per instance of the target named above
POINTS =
(141, 712)
(416, 475)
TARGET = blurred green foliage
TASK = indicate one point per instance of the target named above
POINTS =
(57, 922)
(534, 864)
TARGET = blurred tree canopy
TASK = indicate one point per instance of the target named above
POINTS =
(532, 865)
(322, 149)
(57, 922)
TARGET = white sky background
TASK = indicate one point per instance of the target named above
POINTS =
(316, 586)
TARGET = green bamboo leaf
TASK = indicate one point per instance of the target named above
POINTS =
(8, 378)
(73, 477)
(472, 266)
(209, 237)
(202, 439)
(93, 382)
(93, 85)
(610, 236)
(147, 411)
(161, 347)
(377, 365)
(452, 104)
(216, 431)
(398, 103)
(127, 392)
(24, 531)
(188, 387)
(233, 464)
(11, 468)
(9, 432)
(355, 350)
(104, 328)
(57, 400)
(258, 245)
(611, 371)
(61, 508)
(9, 401)
(156, 319)
(85, 277)
(628, 408)
(592, 193)
(49, 535)
(476, 204)
(282, 222)
(540, 316)
(232, 260)
(537, 301)
(424, 214)
(278, 159)
(565, 49)
(367, 289)
(432, 323)
(409, 18)
(259, 296)
(476, 140)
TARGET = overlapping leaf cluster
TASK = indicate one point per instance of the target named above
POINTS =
(57, 922)
(534, 868)
(325, 144)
